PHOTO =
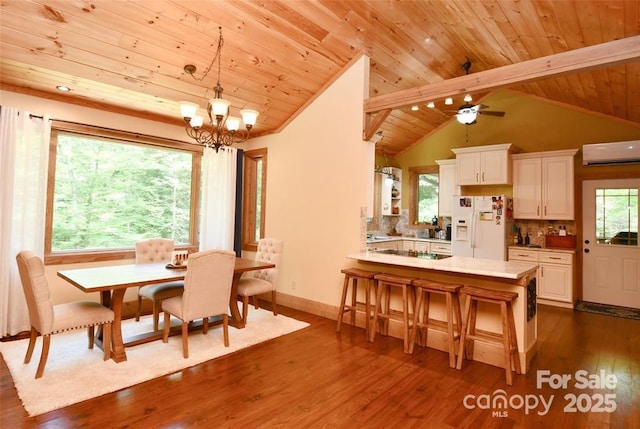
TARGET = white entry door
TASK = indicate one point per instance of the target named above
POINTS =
(611, 255)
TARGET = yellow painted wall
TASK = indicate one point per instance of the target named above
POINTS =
(531, 125)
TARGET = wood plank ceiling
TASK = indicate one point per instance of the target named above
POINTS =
(128, 56)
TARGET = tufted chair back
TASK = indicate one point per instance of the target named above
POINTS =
(207, 284)
(47, 319)
(36, 291)
(269, 250)
(154, 250)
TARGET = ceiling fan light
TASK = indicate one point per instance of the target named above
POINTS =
(249, 116)
(431, 105)
(187, 109)
(467, 116)
(448, 101)
(468, 98)
(219, 106)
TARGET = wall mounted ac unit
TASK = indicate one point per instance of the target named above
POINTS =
(611, 153)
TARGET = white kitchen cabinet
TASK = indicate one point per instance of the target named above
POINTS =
(391, 191)
(483, 165)
(384, 245)
(543, 185)
(440, 248)
(421, 246)
(555, 274)
(408, 245)
(447, 187)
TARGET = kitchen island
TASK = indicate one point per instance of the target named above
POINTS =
(519, 277)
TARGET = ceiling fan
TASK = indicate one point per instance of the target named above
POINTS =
(468, 113)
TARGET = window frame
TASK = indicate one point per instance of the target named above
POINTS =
(94, 255)
(414, 172)
(249, 197)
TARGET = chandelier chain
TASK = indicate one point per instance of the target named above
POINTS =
(222, 129)
(213, 61)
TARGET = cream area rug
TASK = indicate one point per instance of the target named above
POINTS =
(74, 373)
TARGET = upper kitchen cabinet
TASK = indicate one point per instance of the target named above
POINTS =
(391, 189)
(543, 185)
(446, 186)
(483, 165)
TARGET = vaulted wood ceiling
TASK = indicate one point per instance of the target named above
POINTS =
(129, 56)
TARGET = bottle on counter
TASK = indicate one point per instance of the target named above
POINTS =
(520, 241)
(527, 240)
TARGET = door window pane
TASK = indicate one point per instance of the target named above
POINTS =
(617, 216)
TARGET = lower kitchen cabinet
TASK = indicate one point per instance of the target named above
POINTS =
(421, 246)
(384, 245)
(424, 246)
(440, 248)
(555, 274)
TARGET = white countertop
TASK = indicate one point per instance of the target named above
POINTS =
(399, 237)
(544, 249)
(454, 264)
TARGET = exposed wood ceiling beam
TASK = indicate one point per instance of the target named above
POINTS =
(584, 59)
(372, 123)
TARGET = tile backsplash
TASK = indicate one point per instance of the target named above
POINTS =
(537, 229)
(399, 225)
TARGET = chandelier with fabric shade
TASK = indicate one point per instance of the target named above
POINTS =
(222, 129)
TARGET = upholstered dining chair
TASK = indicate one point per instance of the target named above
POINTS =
(207, 288)
(258, 282)
(149, 251)
(47, 319)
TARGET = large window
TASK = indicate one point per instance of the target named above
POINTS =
(255, 185)
(105, 193)
(423, 203)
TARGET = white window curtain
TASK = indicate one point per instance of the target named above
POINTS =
(217, 218)
(24, 154)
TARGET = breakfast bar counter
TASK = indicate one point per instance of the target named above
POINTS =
(519, 277)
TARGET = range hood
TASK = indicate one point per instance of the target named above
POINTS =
(626, 152)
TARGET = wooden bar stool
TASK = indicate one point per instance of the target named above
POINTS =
(353, 275)
(422, 324)
(383, 313)
(508, 339)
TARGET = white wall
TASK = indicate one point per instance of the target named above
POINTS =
(84, 115)
(319, 176)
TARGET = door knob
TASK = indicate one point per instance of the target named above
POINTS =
(586, 250)
(586, 241)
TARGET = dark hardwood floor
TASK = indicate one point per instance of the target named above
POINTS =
(316, 378)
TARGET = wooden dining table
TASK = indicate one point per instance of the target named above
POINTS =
(113, 281)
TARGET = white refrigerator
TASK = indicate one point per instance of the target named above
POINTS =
(480, 226)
